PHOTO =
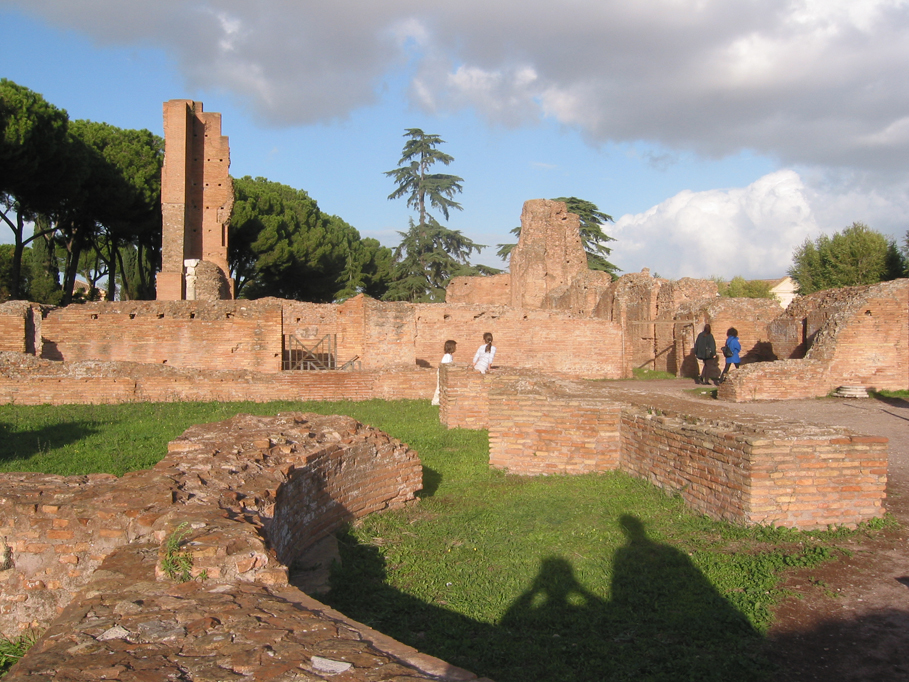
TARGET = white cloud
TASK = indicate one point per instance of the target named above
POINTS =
(748, 231)
(752, 231)
(804, 81)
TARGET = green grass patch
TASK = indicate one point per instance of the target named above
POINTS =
(12, 649)
(644, 374)
(892, 395)
(550, 578)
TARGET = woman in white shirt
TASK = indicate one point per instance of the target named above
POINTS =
(482, 359)
(447, 359)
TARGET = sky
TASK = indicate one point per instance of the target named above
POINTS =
(719, 134)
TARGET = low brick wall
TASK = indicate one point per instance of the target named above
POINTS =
(464, 402)
(291, 479)
(542, 427)
(25, 380)
(792, 475)
(743, 468)
(780, 380)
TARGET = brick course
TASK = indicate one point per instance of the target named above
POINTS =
(742, 468)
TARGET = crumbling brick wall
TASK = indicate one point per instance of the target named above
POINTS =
(864, 340)
(20, 326)
(25, 380)
(490, 290)
(533, 339)
(751, 317)
(293, 478)
(548, 255)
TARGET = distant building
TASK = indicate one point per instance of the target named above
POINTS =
(83, 288)
(785, 289)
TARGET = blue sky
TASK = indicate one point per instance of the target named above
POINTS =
(718, 134)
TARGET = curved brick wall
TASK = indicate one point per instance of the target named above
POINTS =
(82, 555)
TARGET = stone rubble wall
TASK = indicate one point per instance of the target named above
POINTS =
(85, 557)
(748, 469)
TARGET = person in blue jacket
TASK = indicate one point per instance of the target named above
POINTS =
(731, 352)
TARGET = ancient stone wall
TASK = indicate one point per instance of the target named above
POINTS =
(742, 467)
(541, 428)
(13, 320)
(752, 317)
(197, 197)
(200, 334)
(533, 339)
(226, 486)
(864, 340)
(464, 402)
(548, 255)
(491, 290)
(792, 475)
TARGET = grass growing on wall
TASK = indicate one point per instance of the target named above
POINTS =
(549, 578)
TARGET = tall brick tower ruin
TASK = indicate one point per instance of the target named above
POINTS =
(197, 196)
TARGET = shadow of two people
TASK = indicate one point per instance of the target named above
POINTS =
(663, 620)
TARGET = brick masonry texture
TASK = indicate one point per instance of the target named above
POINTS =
(197, 196)
(85, 558)
(755, 470)
(26, 380)
(855, 336)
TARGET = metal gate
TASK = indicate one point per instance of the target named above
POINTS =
(303, 354)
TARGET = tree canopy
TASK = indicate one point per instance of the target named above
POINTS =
(429, 254)
(90, 191)
(593, 238)
(282, 245)
(857, 255)
(739, 287)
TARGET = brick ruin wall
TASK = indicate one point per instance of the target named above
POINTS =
(744, 468)
(197, 196)
(858, 336)
(205, 335)
(83, 555)
(637, 330)
(25, 380)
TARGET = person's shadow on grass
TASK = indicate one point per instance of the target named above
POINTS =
(662, 620)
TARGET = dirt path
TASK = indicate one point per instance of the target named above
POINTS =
(850, 620)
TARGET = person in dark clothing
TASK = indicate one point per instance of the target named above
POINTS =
(704, 351)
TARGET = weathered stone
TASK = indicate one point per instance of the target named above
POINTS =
(127, 620)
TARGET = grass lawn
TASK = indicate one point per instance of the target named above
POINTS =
(597, 577)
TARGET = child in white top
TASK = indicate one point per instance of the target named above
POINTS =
(447, 359)
(482, 359)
